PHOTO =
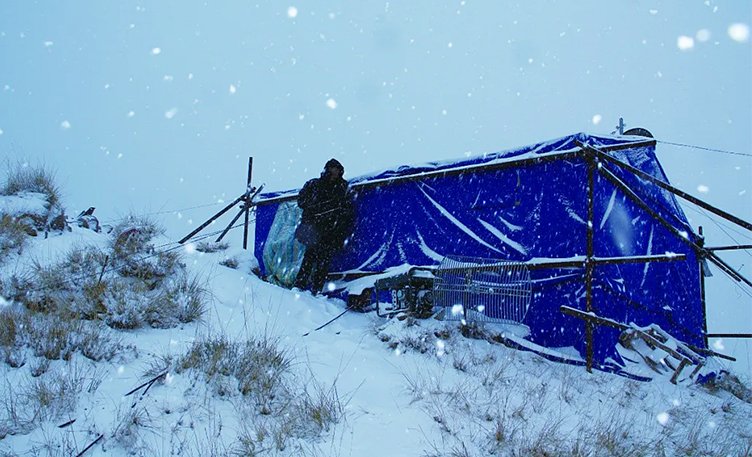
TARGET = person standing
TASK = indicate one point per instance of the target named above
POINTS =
(324, 226)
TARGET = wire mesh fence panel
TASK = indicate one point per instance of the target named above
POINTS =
(483, 290)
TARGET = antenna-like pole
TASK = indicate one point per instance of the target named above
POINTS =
(620, 127)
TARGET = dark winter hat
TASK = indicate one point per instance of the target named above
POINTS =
(334, 164)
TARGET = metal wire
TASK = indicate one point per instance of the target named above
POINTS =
(483, 290)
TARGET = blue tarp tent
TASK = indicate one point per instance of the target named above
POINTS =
(526, 204)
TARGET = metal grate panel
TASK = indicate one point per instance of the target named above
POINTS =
(483, 290)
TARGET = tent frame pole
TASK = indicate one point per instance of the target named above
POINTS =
(247, 205)
(211, 219)
(603, 171)
(729, 217)
(589, 264)
(700, 260)
(620, 326)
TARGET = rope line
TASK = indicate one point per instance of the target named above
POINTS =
(724, 229)
(179, 210)
(744, 154)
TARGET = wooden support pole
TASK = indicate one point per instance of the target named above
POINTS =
(672, 189)
(229, 226)
(211, 219)
(700, 261)
(247, 203)
(252, 192)
(729, 335)
(618, 325)
(729, 248)
(682, 364)
(90, 446)
(709, 255)
(574, 312)
(589, 265)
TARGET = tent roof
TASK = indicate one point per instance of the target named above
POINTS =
(559, 146)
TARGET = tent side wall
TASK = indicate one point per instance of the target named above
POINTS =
(535, 210)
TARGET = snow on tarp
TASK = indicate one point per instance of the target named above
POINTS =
(531, 203)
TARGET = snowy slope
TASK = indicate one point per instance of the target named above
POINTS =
(407, 387)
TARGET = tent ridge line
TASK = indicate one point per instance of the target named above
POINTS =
(546, 157)
(556, 155)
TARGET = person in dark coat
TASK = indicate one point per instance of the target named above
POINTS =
(324, 226)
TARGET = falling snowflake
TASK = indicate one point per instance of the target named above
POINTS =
(456, 310)
(65, 125)
(131, 113)
(47, 44)
(662, 418)
(1, 131)
(703, 189)
(685, 43)
(718, 345)
(190, 248)
(156, 51)
(739, 32)
(292, 12)
(331, 103)
(597, 119)
(171, 113)
(233, 89)
(703, 35)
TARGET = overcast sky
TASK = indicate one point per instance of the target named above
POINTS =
(153, 106)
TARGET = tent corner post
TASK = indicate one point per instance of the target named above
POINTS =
(701, 259)
(247, 203)
(589, 261)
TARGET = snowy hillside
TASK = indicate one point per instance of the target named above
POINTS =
(134, 345)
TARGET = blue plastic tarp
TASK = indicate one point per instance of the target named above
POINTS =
(532, 203)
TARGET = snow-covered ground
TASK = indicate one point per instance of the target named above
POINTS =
(373, 386)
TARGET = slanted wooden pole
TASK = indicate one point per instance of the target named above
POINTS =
(247, 203)
(212, 219)
(229, 226)
(726, 268)
(589, 265)
(672, 189)
(618, 325)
